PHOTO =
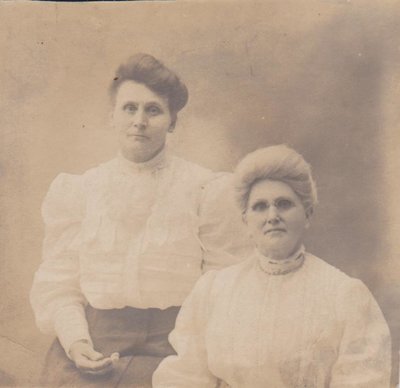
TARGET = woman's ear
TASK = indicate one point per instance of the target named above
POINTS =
(174, 118)
(173, 123)
(111, 119)
(309, 213)
(244, 217)
(171, 127)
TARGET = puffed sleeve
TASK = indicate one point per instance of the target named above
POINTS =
(56, 298)
(364, 358)
(222, 233)
(189, 367)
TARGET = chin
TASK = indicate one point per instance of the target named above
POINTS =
(278, 251)
(136, 150)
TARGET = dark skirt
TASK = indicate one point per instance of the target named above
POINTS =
(140, 336)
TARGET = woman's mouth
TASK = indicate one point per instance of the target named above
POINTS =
(136, 136)
(273, 230)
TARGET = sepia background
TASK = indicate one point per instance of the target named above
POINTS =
(321, 76)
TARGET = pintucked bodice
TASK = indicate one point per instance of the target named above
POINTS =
(310, 327)
(126, 234)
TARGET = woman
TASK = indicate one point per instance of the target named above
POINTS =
(283, 317)
(127, 240)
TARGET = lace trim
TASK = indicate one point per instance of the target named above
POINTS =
(158, 162)
(281, 267)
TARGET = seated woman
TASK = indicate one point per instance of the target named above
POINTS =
(283, 317)
(126, 241)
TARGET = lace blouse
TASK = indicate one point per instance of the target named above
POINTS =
(304, 324)
(126, 234)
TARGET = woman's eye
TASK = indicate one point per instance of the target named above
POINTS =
(284, 204)
(259, 206)
(153, 110)
(130, 108)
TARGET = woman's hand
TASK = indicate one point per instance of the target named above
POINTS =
(88, 361)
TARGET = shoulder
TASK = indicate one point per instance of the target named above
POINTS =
(218, 200)
(191, 171)
(321, 269)
(226, 278)
(219, 185)
(65, 181)
(99, 173)
(63, 197)
(216, 276)
(202, 288)
(347, 289)
(215, 283)
(70, 183)
(67, 192)
(65, 186)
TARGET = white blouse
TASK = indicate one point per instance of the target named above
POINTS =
(126, 234)
(257, 325)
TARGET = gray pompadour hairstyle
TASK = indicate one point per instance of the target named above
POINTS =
(279, 163)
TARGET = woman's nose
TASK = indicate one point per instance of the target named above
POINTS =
(140, 119)
(273, 215)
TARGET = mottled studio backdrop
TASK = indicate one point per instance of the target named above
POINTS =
(321, 76)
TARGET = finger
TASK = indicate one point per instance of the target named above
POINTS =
(101, 372)
(85, 364)
(91, 354)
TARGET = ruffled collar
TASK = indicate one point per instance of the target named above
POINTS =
(281, 267)
(158, 162)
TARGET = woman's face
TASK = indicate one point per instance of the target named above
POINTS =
(276, 218)
(142, 120)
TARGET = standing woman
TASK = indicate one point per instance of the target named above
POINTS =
(283, 317)
(126, 241)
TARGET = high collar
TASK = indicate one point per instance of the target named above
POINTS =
(158, 162)
(281, 267)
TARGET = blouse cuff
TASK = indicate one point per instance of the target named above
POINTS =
(70, 325)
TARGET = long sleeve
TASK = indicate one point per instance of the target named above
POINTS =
(222, 233)
(56, 298)
(189, 368)
(364, 358)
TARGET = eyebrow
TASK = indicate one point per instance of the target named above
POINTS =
(283, 197)
(138, 102)
(259, 200)
(153, 103)
(276, 199)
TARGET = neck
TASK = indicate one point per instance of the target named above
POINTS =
(141, 158)
(274, 255)
(278, 253)
(157, 162)
(273, 266)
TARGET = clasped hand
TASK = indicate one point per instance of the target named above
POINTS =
(88, 361)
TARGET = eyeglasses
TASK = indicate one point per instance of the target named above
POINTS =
(281, 204)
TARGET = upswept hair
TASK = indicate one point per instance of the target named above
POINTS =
(279, 163)
(147, 70)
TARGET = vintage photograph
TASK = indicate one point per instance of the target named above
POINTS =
(200, 194)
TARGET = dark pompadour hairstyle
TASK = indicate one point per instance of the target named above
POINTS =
(147, 70)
